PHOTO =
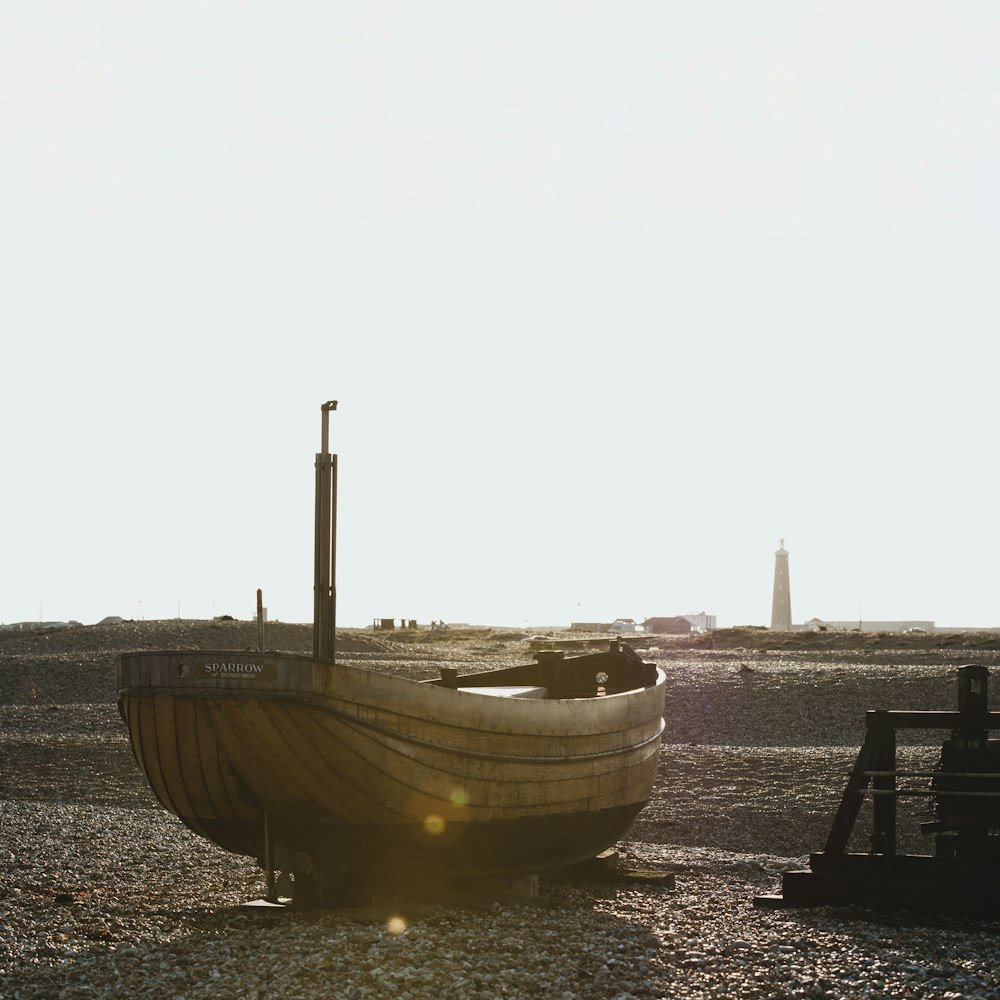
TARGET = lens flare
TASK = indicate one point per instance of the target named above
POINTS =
(434, 825)
(396, 924)
(459, 797)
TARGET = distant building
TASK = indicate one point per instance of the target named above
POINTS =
(389, 624)
(620, 625)
(781, 597)
(701, 621)
(625, 625)
(677, 625)
(968, 628)
(660, 624)
(589, 627)
(820, 624)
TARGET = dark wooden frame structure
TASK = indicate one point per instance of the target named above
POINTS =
(964, 877)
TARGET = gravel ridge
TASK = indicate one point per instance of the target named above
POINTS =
(103, 894)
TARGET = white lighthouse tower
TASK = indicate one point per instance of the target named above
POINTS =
(781, 601)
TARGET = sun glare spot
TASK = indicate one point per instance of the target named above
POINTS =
(396, 924)
(434, 825)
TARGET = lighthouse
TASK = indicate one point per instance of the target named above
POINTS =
(781, 602)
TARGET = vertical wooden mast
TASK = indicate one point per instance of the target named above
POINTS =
(325, 579)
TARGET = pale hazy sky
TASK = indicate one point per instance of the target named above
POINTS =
(613, 296)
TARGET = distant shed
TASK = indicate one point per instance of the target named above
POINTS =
(668, 626)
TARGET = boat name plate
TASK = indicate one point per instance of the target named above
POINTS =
(232, 668)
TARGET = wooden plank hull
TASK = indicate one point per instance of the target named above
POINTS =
(367, 772)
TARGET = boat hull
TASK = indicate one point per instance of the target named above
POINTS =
(371, 853)
(365, 774)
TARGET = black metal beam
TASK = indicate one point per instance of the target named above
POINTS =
(930, 720)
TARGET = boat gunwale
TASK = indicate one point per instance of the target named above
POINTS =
(371, 679)
(360, 669)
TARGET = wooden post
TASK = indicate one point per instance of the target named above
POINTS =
(549, 663)
(271, 895)
(850, 804)
(973, 703)
(324, 579)
(260, 620)
(884, 805)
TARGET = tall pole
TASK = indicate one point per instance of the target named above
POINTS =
(260, 620)
(324, 580)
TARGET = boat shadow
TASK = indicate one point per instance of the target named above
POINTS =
(413, 936)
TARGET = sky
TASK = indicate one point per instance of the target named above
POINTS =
(613, 296)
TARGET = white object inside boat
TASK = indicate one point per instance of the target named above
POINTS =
(511, 691)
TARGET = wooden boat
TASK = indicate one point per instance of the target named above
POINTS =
(365, 771)
(340, 772)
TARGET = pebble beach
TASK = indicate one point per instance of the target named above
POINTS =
(104, 894)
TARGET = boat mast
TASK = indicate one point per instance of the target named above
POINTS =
(325, 578)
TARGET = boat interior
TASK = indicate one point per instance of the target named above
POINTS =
(553, 676)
